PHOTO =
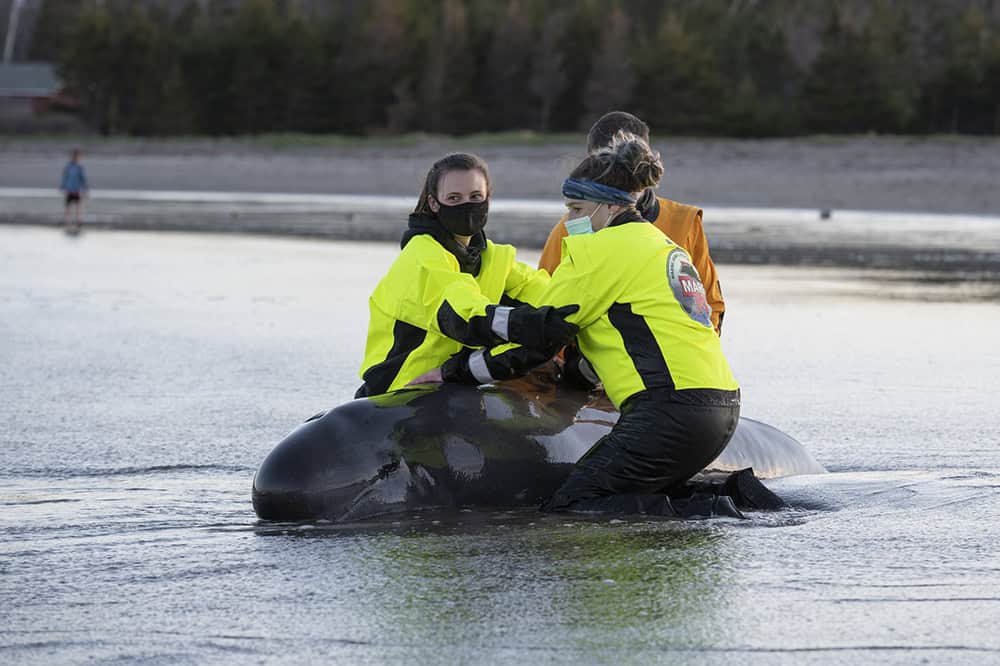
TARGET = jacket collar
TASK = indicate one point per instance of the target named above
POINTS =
(626, 216)
(469, 258)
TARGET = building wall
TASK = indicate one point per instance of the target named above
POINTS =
(16, 108)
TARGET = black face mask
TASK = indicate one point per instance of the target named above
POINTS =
(466, 219)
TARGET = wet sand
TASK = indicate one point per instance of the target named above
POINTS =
(916, 176)
(935, 174)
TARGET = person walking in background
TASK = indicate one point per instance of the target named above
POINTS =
(680, 222)
(74, 187)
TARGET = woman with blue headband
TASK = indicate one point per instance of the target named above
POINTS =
(645, 333)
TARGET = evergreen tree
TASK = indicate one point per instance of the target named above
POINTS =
(962, 94)
(586, 23)
(847, 89)
(761, 79)
(612, 79)
(736, 67)
(390, 72)
(548, 78)
(306, 106)
(258, 83)
(53, 29)
(891, 31)
(449, 71)
(145, 70)
(507, 68)
(206, 63)
(89, 61)
(682, 89)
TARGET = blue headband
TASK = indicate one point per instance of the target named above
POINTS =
(577, 188)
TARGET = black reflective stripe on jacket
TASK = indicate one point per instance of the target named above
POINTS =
(476, 332)
(641, 346)
(405, 339)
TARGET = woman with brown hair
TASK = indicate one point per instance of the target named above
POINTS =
(452, 292)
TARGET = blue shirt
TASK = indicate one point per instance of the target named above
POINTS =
(73, 178)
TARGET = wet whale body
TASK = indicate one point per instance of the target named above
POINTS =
(505, 445)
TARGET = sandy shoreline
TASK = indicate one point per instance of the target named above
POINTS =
(953, 175)
(933, 174)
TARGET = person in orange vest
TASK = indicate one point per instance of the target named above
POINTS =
(680, 222)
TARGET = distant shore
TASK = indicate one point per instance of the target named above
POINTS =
(779, 187)
(926, 174)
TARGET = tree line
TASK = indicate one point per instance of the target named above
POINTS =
(706, 67)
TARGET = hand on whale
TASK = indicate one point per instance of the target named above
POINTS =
(429, 377)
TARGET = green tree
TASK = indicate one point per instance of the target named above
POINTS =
(612, 78)
(206, 63)
(450, 72)
(89, 60)
(383, 68)
(507, 68)
(141, 70)
(848, 87)
(892, 29)
(761, 80)
(53, 29)
(261, 54)
(963, 93)
(548, 76)
(307, 106)
(692, 67)
(680, 78)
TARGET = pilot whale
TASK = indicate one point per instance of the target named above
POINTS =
(504, 445)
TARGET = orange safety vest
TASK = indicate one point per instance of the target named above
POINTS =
(682, 224)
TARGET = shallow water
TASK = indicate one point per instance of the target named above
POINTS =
(143, 377)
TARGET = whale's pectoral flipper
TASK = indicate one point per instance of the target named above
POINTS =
(397, 488)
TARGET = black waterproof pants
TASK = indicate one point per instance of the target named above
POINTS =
(661, 440)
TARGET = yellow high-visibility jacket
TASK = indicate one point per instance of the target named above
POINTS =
(644, 319)
(682, 224)
(427, 309)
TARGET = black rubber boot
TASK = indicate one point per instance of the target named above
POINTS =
(747, 491)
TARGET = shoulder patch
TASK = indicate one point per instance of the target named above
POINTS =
(687, 287)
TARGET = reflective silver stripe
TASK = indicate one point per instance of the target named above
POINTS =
(500, 324)
(587, 370)
(477, 366)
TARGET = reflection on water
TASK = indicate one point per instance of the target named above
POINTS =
(144, 377)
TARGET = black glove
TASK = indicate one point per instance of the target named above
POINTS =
(542, 328)
(456, 369)
(577, 370)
